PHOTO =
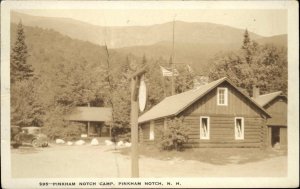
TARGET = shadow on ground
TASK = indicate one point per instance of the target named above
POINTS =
(28, 149)
(216, 156)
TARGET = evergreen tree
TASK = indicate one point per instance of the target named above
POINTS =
(246, 41)
(184, 81)
(121, 95)
(262, 65)
(144, 61)
(20, 69)
(247, 47)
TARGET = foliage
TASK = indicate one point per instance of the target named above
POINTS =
(156, 88)
(120, 94)
(126, 137)
(56, 127)
(78, 83)
(262, 65)
(20, 69)
(175, 135)
(184, 81)
(120, 133)
(25, 107)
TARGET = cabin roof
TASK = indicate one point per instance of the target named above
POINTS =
(173, 105)
(90, 114)
(263, 100)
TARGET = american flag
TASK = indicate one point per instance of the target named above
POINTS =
(167, 73)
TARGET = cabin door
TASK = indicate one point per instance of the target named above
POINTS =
(275, 136)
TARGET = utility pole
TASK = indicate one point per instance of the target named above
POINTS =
(135, 79)
(172, 62)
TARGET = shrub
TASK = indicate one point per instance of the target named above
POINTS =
(120, 133)
(66, 131)
(174, 135)
(55, 126)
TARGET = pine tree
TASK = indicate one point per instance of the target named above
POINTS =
(265, 67)
(144, 61)
(247, 47)
(246, 41)
(20, 69)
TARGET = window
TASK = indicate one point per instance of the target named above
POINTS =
(239, 128)
(151, 133)
(204, 127)
(222, 96)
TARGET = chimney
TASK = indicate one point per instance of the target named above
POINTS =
(255, 91)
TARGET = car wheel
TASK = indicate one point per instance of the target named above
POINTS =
(15, 145)
(35, 143)
(45, 145)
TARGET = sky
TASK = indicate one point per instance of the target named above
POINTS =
(263, 22)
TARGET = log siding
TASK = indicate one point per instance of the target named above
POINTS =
(222, 121)
(222, 132)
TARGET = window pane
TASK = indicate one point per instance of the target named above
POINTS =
(239, 128)
(204, 128)
(221, 96)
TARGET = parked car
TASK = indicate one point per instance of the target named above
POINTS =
(31, 136)
(15, 140)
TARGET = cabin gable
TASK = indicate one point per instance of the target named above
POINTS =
(278, 110)
(236, 104)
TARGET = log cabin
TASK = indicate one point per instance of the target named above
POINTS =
(218, 115)
(276, 105)
(94, 120)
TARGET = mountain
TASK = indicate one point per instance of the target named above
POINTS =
(277, 40)
(117, 37)
(197, 55)
(195, 43)
(48, 49)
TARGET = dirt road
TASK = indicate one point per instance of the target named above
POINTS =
(103, 161)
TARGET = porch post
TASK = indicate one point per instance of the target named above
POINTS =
(269, 136)
(88, 130)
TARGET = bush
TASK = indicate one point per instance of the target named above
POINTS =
(120, 133)
(174, 135)
(126, 137)
(66, 131)
(55, 126)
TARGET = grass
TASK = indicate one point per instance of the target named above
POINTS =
(217, 156)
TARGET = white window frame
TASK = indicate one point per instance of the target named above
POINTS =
(208, 128)
(151, 130)
(235, 128)
(225, 96)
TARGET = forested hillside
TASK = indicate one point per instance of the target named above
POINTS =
(68, 73)
(48, 48)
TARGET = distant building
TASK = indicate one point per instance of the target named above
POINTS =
(218, 115)
(94, 118)
(276, 105)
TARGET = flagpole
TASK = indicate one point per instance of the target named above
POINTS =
(172, 62)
